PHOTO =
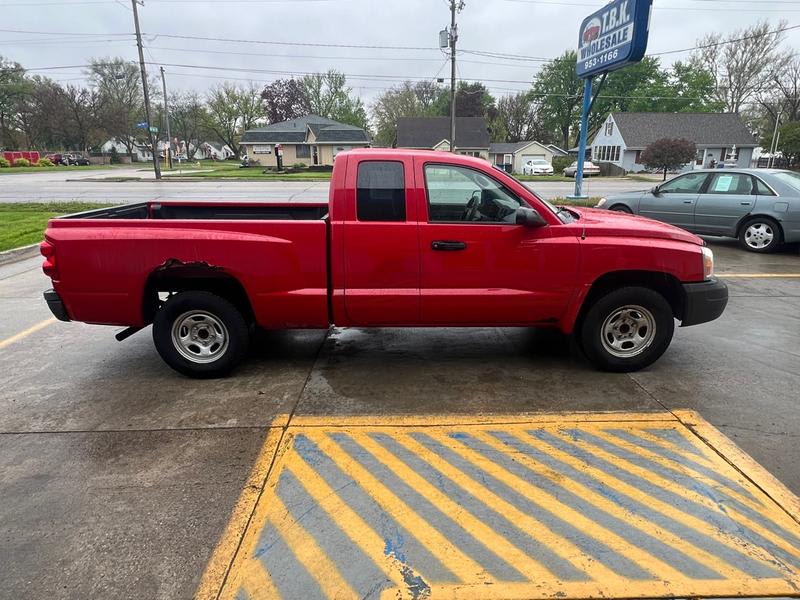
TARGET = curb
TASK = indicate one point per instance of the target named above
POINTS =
(18, 254)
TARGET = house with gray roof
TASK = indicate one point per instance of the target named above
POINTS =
(311, 140)
(721, 137)
(433, 133)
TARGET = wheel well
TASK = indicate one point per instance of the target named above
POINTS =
(748, 218)
(665, 284)
(175, 276)
(625, 206)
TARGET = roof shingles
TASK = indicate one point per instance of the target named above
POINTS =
(639, 130)
(294, 132)
(427, 132)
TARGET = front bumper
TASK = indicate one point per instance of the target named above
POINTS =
(704, 302)
(55, 305)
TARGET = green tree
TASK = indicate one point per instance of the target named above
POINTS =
(329, 96)
(560, 92)
(13, 87)
(403, 101)
(789, 143)
(521, 119)
(668, 154)
(231, 110)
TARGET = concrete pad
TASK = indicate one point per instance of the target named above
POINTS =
(116, 515)
(459, 371)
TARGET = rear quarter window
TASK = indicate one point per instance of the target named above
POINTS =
(381, 192)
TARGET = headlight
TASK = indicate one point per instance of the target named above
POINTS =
(601, 203)
(708, 263)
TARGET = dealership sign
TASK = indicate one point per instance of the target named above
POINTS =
(613, 37)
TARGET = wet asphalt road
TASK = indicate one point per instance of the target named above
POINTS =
(118, 476)
(72, 186)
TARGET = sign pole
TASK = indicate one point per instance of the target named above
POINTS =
(587, 105)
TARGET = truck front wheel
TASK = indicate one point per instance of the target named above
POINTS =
(627, 329)
(200, 334)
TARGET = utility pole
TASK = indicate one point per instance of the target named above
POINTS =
(773, 147)
(153, 145)
(166, 116)
(455, 6)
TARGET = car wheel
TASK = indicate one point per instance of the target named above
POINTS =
(627, 329)
(200, 334)
(760, 234)
(621, 208)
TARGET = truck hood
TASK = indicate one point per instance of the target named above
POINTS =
(609, 223)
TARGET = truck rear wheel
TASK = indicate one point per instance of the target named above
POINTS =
(627, 329)
(200, 334)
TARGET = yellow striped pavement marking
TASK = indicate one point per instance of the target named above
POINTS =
(449, 554)
(23, 334)
(713, 562)
(523, 507)
(758, 275)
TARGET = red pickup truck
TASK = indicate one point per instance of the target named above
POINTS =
(407, 239)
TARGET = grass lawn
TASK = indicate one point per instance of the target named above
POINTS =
(24, 224)
(14, 170)
(231, 170)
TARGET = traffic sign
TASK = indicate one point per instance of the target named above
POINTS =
(154, 130)
(614, 36)
(142, 125)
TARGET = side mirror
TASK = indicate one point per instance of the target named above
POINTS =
(529, 217)
(655, 191)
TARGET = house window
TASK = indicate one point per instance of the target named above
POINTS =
(262, 149)
(471, 153)
(606, 153)
(609, 128)
(381, 191)
(698, 161)
(638, 160)
(302, 151)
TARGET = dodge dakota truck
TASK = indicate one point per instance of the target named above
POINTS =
(407, 239)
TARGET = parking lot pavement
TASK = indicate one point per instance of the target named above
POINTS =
(30, 188)
(118, 477)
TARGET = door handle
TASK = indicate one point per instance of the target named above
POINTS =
(746, 203)
(688, 201)
(447, 246)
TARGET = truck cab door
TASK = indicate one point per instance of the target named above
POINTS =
(674, 201)
(478, 267)
(381, 246)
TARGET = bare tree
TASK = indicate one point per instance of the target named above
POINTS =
(188, 117)
(120, 99)
(742, 63)
(520, 118)
(405, 100)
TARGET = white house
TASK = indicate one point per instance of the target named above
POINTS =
(517, 154)
(721, 137)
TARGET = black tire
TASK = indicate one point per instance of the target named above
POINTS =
(752, 232)
(645, 315)
(621, 208)
(218, 327)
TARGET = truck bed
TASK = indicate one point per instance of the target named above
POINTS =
(208, 210)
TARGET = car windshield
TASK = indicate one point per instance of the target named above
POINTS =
(789, 178)
(541, 162)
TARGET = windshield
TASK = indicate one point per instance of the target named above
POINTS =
(541, 162)
(789, 178)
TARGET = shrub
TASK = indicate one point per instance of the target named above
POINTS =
(560, 163)
(22, 162)
(299, 165)
(668, 154)
(45, 162)
(114, 158)
(4, 164)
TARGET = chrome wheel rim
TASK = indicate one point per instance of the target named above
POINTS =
(759, 235)
(628, 331)
(199, 336)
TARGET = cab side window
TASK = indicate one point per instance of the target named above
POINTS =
(461, 194)
(381, 191)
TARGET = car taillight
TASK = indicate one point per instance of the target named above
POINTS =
(708, 263)
(48, 250)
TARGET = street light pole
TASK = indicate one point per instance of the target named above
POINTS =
(156, 168)
(455, 6)
(166, 116)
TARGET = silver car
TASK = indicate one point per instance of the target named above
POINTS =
(760, 207)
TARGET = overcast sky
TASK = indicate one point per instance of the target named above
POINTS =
(519, 28)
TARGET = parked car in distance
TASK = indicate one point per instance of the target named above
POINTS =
(408, 238)
(537, 166)
(759, 207)
(589, 169)
(78, 160)
(56, 158)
